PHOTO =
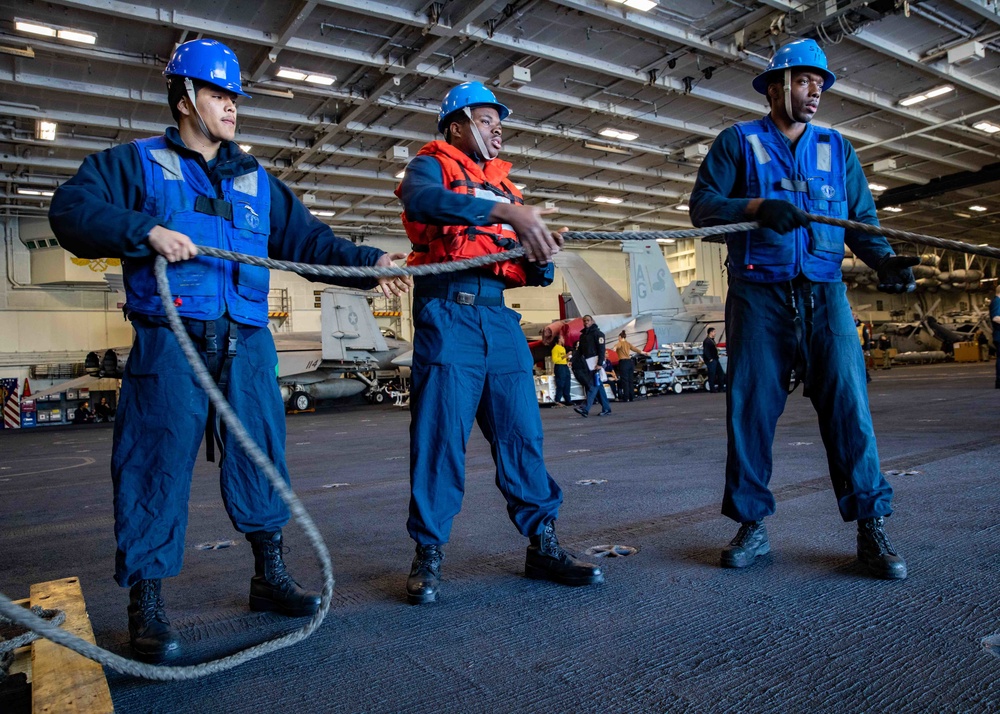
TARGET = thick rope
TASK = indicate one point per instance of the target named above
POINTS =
(127, 666)
(713, 233)
(9, 643)
(716, 234)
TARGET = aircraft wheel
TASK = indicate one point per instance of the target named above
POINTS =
(300, 401)
(378, 397)
(678, 388)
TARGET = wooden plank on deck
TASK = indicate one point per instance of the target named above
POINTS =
(22, 655)
(64, 682)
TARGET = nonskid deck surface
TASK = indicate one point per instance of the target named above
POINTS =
(803, 630)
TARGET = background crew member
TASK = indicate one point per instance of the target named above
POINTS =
(167, 195)
(470, 358)
(626, 367)
(787, 306)
(84, 414)
(588, 356)
(560, 367)
(710, 355)
(995, 321)
(104, 411)
(865, 340)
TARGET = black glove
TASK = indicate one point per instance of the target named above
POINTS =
(781, 216)
(895, 275)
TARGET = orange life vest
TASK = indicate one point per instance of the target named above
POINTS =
(443, 244)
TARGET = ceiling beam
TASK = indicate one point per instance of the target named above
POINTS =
(938, 186)
(514, 44)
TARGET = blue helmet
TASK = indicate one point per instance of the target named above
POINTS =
(800, 53)
(469, 94)
(207, 61)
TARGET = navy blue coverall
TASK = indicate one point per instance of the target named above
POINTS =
(787, 309)
(162, 411)
(995, 312)
(471, 362)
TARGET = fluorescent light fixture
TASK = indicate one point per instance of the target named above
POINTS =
(682, 207)
(665, 241)
(620, 135)
(295, 74)
(977, 208)
(963, 215)
(987, 127)
(930, 94)
(298, 75)
(62, 33)
(34, 28)
(322, 79)
(247, 148)
(893, 209)
(401, 173)
(604, 147)
(876, 187)
(45, 130)
(642, 5)
(33, 192)
(608, 199)
(938, 91)
(323, 214)
(87, 38)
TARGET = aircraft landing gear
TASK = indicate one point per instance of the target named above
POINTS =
(300, 402)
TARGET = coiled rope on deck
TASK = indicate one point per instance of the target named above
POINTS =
(47, 629)
(10, 641)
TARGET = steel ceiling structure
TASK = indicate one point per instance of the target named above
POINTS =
(674, 76)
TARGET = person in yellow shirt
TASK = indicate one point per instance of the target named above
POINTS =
(626, 367)
(561, 367)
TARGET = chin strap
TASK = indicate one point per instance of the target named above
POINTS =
(786, 91)
(192, 98)
(484, 153)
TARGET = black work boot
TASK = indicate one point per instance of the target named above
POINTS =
(425, 575)
(876, 552)
(149, 632)
(546, 560)
(271, 587)
(750, 541)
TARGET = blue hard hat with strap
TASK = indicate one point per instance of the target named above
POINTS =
(469, 94)
(802, 54)
(207, 61)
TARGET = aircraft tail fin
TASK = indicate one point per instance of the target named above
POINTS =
(591, 293)
(653, 287)
(348, 324)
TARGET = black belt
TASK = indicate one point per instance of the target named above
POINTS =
(461, 297)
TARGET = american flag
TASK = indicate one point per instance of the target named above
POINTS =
(11, 403)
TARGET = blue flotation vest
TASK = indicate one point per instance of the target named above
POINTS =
(180, 193)
(810, 175)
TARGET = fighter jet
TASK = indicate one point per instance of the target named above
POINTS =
(348, 356)
(932, 336)
(658, 313)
